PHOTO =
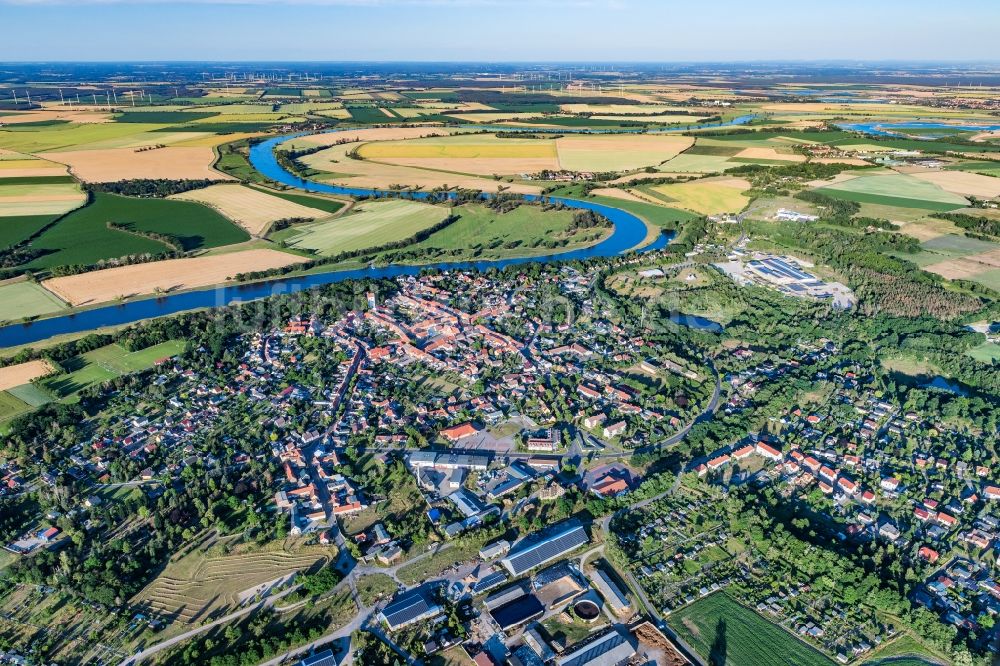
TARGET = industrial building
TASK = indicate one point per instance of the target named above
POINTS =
(408, 608)
(538, 549)
(611, 649)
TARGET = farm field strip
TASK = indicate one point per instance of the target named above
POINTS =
(708, 197)
(169, 275)
(252, 209)
(19, 300)
(720, 628)
(372, 224)
(23, 373)
(103, 364)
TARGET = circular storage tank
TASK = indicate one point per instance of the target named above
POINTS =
(587, 610)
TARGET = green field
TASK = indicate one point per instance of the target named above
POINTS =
(11, 407)
(369, 114)
(524, 231)
(687, 162)
(319, 203)
(954, 245)
(70, 136)
(105, 363)
(31, 394)
(658, 216)
(163, 116)
(83, 237)
(236, 165)
(895, 190)
(19, 228)
(26, 299)
(988, 352)
(736, 636)
(37, 180)
(376, 223)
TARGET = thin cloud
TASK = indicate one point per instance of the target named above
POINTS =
(605, 4)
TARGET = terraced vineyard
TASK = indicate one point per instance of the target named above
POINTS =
(199, 583)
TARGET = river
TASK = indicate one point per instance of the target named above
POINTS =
(628, 233)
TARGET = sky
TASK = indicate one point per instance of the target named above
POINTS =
(498, 30)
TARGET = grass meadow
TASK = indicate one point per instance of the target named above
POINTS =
(375, 223)
(103, 364)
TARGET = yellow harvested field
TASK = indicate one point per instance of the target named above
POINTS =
(851, 161)
(758, 153)
(617, 193)
(618, 152)
(957, 269)
(708, 196)
(169, 275)
(252, 209)
(112, 164)
(927, 228)
(486, 166)
(473, 154)
(23, 373)
(667, 119)
(991, 258)
(497, 117)
(370, 134)
(623, 109)
(372, 174)
(212, 140)
(963, 183)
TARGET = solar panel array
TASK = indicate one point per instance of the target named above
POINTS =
(488, 582)
(406, 608)
(610, 649)
(544, 551)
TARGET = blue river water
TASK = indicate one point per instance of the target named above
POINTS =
(887, 128)
(628, 234)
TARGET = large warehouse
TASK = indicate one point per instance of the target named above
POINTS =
(538, 549)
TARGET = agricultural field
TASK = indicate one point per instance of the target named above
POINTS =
(103, 364)
(475, 154)
(895, 190)
(19, 198)
(23, 373)
(962, 183)
(166, 276)
(372, 224)
(725, 632)
(334, 166)
(83, 237)
(482, 233)
(252, 209)
(706, 196)
(611, 152)
(11, 407)
(113, 164)
(988, 352)
(323, 203)
(209, 578)
(957, 257)
(488, 154)
(22, 300)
